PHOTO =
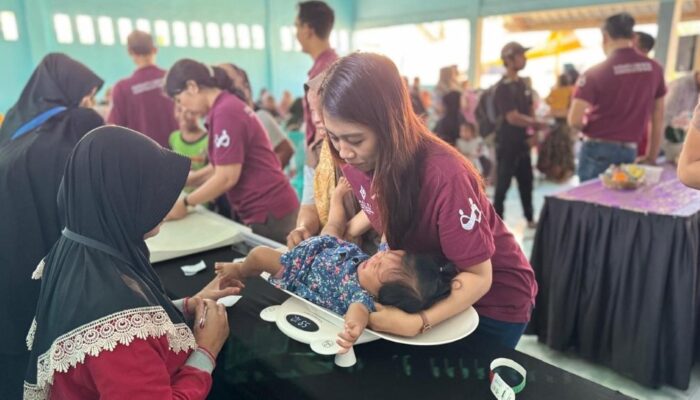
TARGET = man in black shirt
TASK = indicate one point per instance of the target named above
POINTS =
(514, 108)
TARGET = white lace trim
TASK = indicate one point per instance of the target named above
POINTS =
(106, 333)
(30, 335)
(34, 392)
(39, 271)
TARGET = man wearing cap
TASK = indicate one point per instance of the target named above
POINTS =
(138, 102)
(615, 100)
(515, 114)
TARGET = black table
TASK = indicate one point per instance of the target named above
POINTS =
(260, 362)
(618, 278)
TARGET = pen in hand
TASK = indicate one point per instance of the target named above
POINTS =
(203, 318)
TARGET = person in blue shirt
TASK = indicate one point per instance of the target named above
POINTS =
(337, 275)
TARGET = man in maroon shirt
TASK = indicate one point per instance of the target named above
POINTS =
(314, 24)
(138, 102)
(614, 101)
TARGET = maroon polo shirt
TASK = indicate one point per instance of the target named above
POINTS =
(457, 220)
(622, 91)
(139, 103)
(238, 137)
(323, 61)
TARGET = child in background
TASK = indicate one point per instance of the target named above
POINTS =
(338, 276)
(469, 143)
(190, 140)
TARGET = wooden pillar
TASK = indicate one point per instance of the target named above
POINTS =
(667, 38)
(475, 30)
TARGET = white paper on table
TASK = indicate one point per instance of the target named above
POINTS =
(190, 270)
(229, 301)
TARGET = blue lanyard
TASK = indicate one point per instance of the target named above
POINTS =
(37, 121)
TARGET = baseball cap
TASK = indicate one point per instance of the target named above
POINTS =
(512, 49)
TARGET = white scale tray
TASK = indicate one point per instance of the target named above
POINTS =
(204, 230)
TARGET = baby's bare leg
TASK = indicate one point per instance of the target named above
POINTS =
(260, 259)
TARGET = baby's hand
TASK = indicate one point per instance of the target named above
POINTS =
(228, 272)
(348, 337)
(341, 189)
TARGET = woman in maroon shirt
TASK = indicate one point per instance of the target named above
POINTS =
(424, 197)
(242, 162)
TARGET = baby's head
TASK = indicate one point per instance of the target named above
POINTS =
(411, 282)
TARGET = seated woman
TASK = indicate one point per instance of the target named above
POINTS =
(242, 163)
(337, 275)
(41, 129)
(104, 327)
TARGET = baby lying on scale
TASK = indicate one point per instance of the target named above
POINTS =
(337, 275)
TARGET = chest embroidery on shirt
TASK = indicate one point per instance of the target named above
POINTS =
(222, 140)
(366, 207)
(469, 221)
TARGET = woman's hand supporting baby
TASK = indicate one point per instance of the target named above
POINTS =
(395, 321)
(356, 320)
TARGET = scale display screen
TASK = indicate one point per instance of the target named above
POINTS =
(302, 323)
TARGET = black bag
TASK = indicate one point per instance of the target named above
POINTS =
(486, 114)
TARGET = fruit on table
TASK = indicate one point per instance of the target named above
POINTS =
(619, 177)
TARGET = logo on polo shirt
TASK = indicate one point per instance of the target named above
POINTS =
(469, 221)
(366, 207)
(222, 140)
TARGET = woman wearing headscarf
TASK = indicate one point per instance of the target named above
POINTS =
(38, 134)
(104, 327)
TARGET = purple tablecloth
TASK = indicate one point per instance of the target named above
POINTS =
(667, 197)
(619, 277)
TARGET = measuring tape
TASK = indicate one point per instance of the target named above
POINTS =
(507, 378)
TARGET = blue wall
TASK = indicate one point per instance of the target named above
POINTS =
(374, 13)
(271, 67)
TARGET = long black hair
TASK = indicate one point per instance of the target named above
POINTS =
(296, 115)
(447, 127)
(186, 69)
(428, 279)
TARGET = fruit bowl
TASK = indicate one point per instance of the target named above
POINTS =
(623, 177)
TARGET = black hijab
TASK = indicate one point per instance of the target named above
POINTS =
(31, 168)
(98, 288)
(53, 84)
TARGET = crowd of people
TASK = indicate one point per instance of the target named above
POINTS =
(389, 180)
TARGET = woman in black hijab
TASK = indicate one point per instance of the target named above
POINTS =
(104, 327)
(36, 138)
